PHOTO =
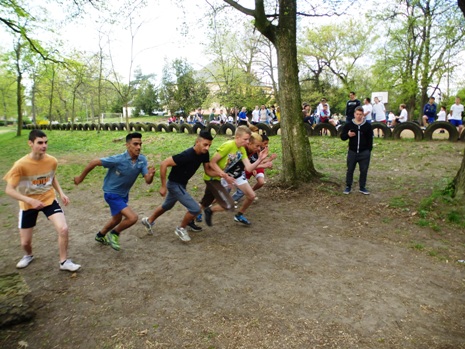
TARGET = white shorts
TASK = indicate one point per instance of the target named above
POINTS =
(239, 181)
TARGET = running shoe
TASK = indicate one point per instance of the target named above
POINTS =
(103, 240)
(198, 218)
(194, 227)
(346, 191)
(68, 265)
(147, 225)
(208, 216)
(241, 219)
(182, 234)
(24, 262)
(113, 239)
(364, 191)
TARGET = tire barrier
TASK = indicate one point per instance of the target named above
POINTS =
(437, 125)
(163, 128)
(263, 129)
(151, 127)
(213, 127)
(173, 128)
(275, 129)
(227, 129)
(132, 127)
(115, 127)
(323, 128)
(408, 125)
(186, 128)
(387, 133)
(122, 126)
(138, 127)
(462, 136)
(197, 128)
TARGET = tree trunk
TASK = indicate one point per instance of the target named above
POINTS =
(297, 155)
(459, 180)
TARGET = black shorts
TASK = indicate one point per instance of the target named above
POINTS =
(28, 218)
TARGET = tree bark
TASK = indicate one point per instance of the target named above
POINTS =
(459, 180)
(297, 155)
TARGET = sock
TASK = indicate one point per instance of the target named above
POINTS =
(63, 262)
(114, 232)
(100, 235)
(239, 213)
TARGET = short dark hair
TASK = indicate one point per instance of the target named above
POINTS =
(265, 137)
(36, 134)
(368, 99)
(359, 108)
(205, 135)
(133, 135)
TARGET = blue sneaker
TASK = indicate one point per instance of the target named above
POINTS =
(346, 190)
(199, 218)
(241, 219)
(364, 191)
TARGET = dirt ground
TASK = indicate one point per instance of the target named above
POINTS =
(317, 269)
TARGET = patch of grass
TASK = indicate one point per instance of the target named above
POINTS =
(423, 222)
(398, 202)
(418, 246)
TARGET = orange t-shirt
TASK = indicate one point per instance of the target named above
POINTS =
(34, 178)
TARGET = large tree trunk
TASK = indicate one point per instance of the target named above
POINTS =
(459, 180)
(297, 155)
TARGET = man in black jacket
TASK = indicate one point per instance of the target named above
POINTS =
(360, 136)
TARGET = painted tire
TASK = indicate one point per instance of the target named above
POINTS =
(453, 133)
(408, 125)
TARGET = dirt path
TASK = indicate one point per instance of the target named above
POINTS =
(315, 270)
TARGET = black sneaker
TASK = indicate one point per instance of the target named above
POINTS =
(208, 216)
(192, 226)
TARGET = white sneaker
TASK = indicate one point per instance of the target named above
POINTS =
(147, 225)
(24, 262)
(68, 265)
(182, 234)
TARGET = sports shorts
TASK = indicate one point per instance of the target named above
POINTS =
(116, 202)
(28, 218)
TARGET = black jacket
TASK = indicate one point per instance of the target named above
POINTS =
(363, 139)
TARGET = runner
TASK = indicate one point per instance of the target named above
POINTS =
(32, 181)
(123, 170)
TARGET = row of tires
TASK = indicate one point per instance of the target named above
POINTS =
(228, 129)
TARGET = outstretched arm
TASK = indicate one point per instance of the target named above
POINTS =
(94, 163)
(60, 192)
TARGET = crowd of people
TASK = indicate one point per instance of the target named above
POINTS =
(260, 114)
(376, 112)
(32, 181)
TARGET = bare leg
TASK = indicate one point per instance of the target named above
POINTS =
(113, 222)
(59, 222)
(157, 213)
(249, 196)
(130, 218)
(26, 240)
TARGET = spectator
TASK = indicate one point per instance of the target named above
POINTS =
(306, 115)
(351, 104)
(403, 116)
(429, 112)
(242, 117)
(319, 108)
(456, 115)
(256, 115)
(379, 112)
(367, 110)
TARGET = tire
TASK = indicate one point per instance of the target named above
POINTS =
(408, 125)
(173, 127)
(308, 129)
(387, 133)
(264, 128)
(213, 127)
(275, 129)
(453, 133)
(138, 128)
(151, 127)
(186, 128)
(132, 127)
(107, 127)
(63, 127)
(163, 128)
(317, 130)
(197, 128)
(122, 126)
(115, 127)
(86, 127)
(94, 127)
(227, 129)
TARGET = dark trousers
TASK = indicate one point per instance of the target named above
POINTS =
(363, 160)
(215, 191)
